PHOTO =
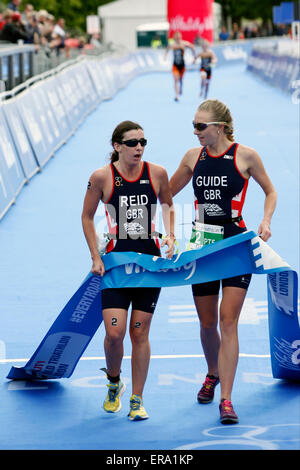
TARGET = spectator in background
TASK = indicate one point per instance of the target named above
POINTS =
(28, 10)
(224, 35)
(32, 29)
(156, 42)
(59, 36)
(94, 40)
(13, 30)
(235, 31)
(6, 16)
(14, 5)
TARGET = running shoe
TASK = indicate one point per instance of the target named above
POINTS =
(227, 414)
(207, 392)
(112, 403)
(137, 411)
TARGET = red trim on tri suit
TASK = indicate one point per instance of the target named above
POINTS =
(198, 158)
(112, 229)
(237, 205)
(156, 240)
(221, 155)
(234, 160)
(131, 181)
(113, 184)
(148, 166)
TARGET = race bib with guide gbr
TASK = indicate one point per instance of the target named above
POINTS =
(205, 234)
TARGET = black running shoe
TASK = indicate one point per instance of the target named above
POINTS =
(206, 394)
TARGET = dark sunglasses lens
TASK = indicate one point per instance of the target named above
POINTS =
(200, 126)
(135, 142)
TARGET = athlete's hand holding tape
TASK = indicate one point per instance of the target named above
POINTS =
(264, 230)
(171, 242)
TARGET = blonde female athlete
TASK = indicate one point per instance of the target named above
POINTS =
(220, 169)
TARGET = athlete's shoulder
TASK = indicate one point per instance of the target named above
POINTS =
(190, 158)
(247, 152)
(100, 174)
(157, 170)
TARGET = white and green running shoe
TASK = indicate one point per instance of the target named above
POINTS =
(112, 403)
(137, 411)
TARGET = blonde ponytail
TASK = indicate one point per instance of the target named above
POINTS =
(220, 113)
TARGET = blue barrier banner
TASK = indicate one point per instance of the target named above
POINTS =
(40, 138)
(110, 76)
(7, 197)
(72, 97)
(48, 121)
(57, 104)
(86, 87)
(281, 71)
(20, 139)
(14, 170)
(244, 253)
(94, 70)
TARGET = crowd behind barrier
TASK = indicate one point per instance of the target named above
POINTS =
(40, 115)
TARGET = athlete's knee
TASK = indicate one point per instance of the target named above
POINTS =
(115, 336)
(228, 323)
(208, 324)
(139, 332)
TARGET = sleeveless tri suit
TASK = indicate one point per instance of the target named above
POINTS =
(130, 213)
(220, 191)
(178, 61)
(206, 66)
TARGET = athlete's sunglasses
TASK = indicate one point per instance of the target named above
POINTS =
(201, 126)
(134, 142)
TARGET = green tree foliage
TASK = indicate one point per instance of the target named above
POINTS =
(73, 11)
(250, 9)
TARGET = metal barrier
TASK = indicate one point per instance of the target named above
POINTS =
(16, 63)
(19, 62)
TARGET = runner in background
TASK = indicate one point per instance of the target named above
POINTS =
(208, 60)
(178, 47)
(129, 187)
(220, 169)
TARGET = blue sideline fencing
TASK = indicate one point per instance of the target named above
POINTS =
(36, 122)
(281, 71)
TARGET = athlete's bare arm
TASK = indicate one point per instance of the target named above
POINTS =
(190, 46)
(184, 172)
(250, 164)
(161, 185)
(92, 198)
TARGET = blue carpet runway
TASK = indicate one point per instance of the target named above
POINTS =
(44, 259)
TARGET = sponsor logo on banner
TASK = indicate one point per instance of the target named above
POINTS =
(234, 53)
(281, 290)
(132, 268)
(191, 18)
(287, 354)
(55, 358)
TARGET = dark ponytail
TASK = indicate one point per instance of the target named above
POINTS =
(118, 134)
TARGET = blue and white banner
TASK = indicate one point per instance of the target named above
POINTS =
(279, 70)
(63, 345)
(36, 129)
(20, 139)
(9, 160)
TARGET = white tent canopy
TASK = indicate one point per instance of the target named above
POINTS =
(121, 18)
